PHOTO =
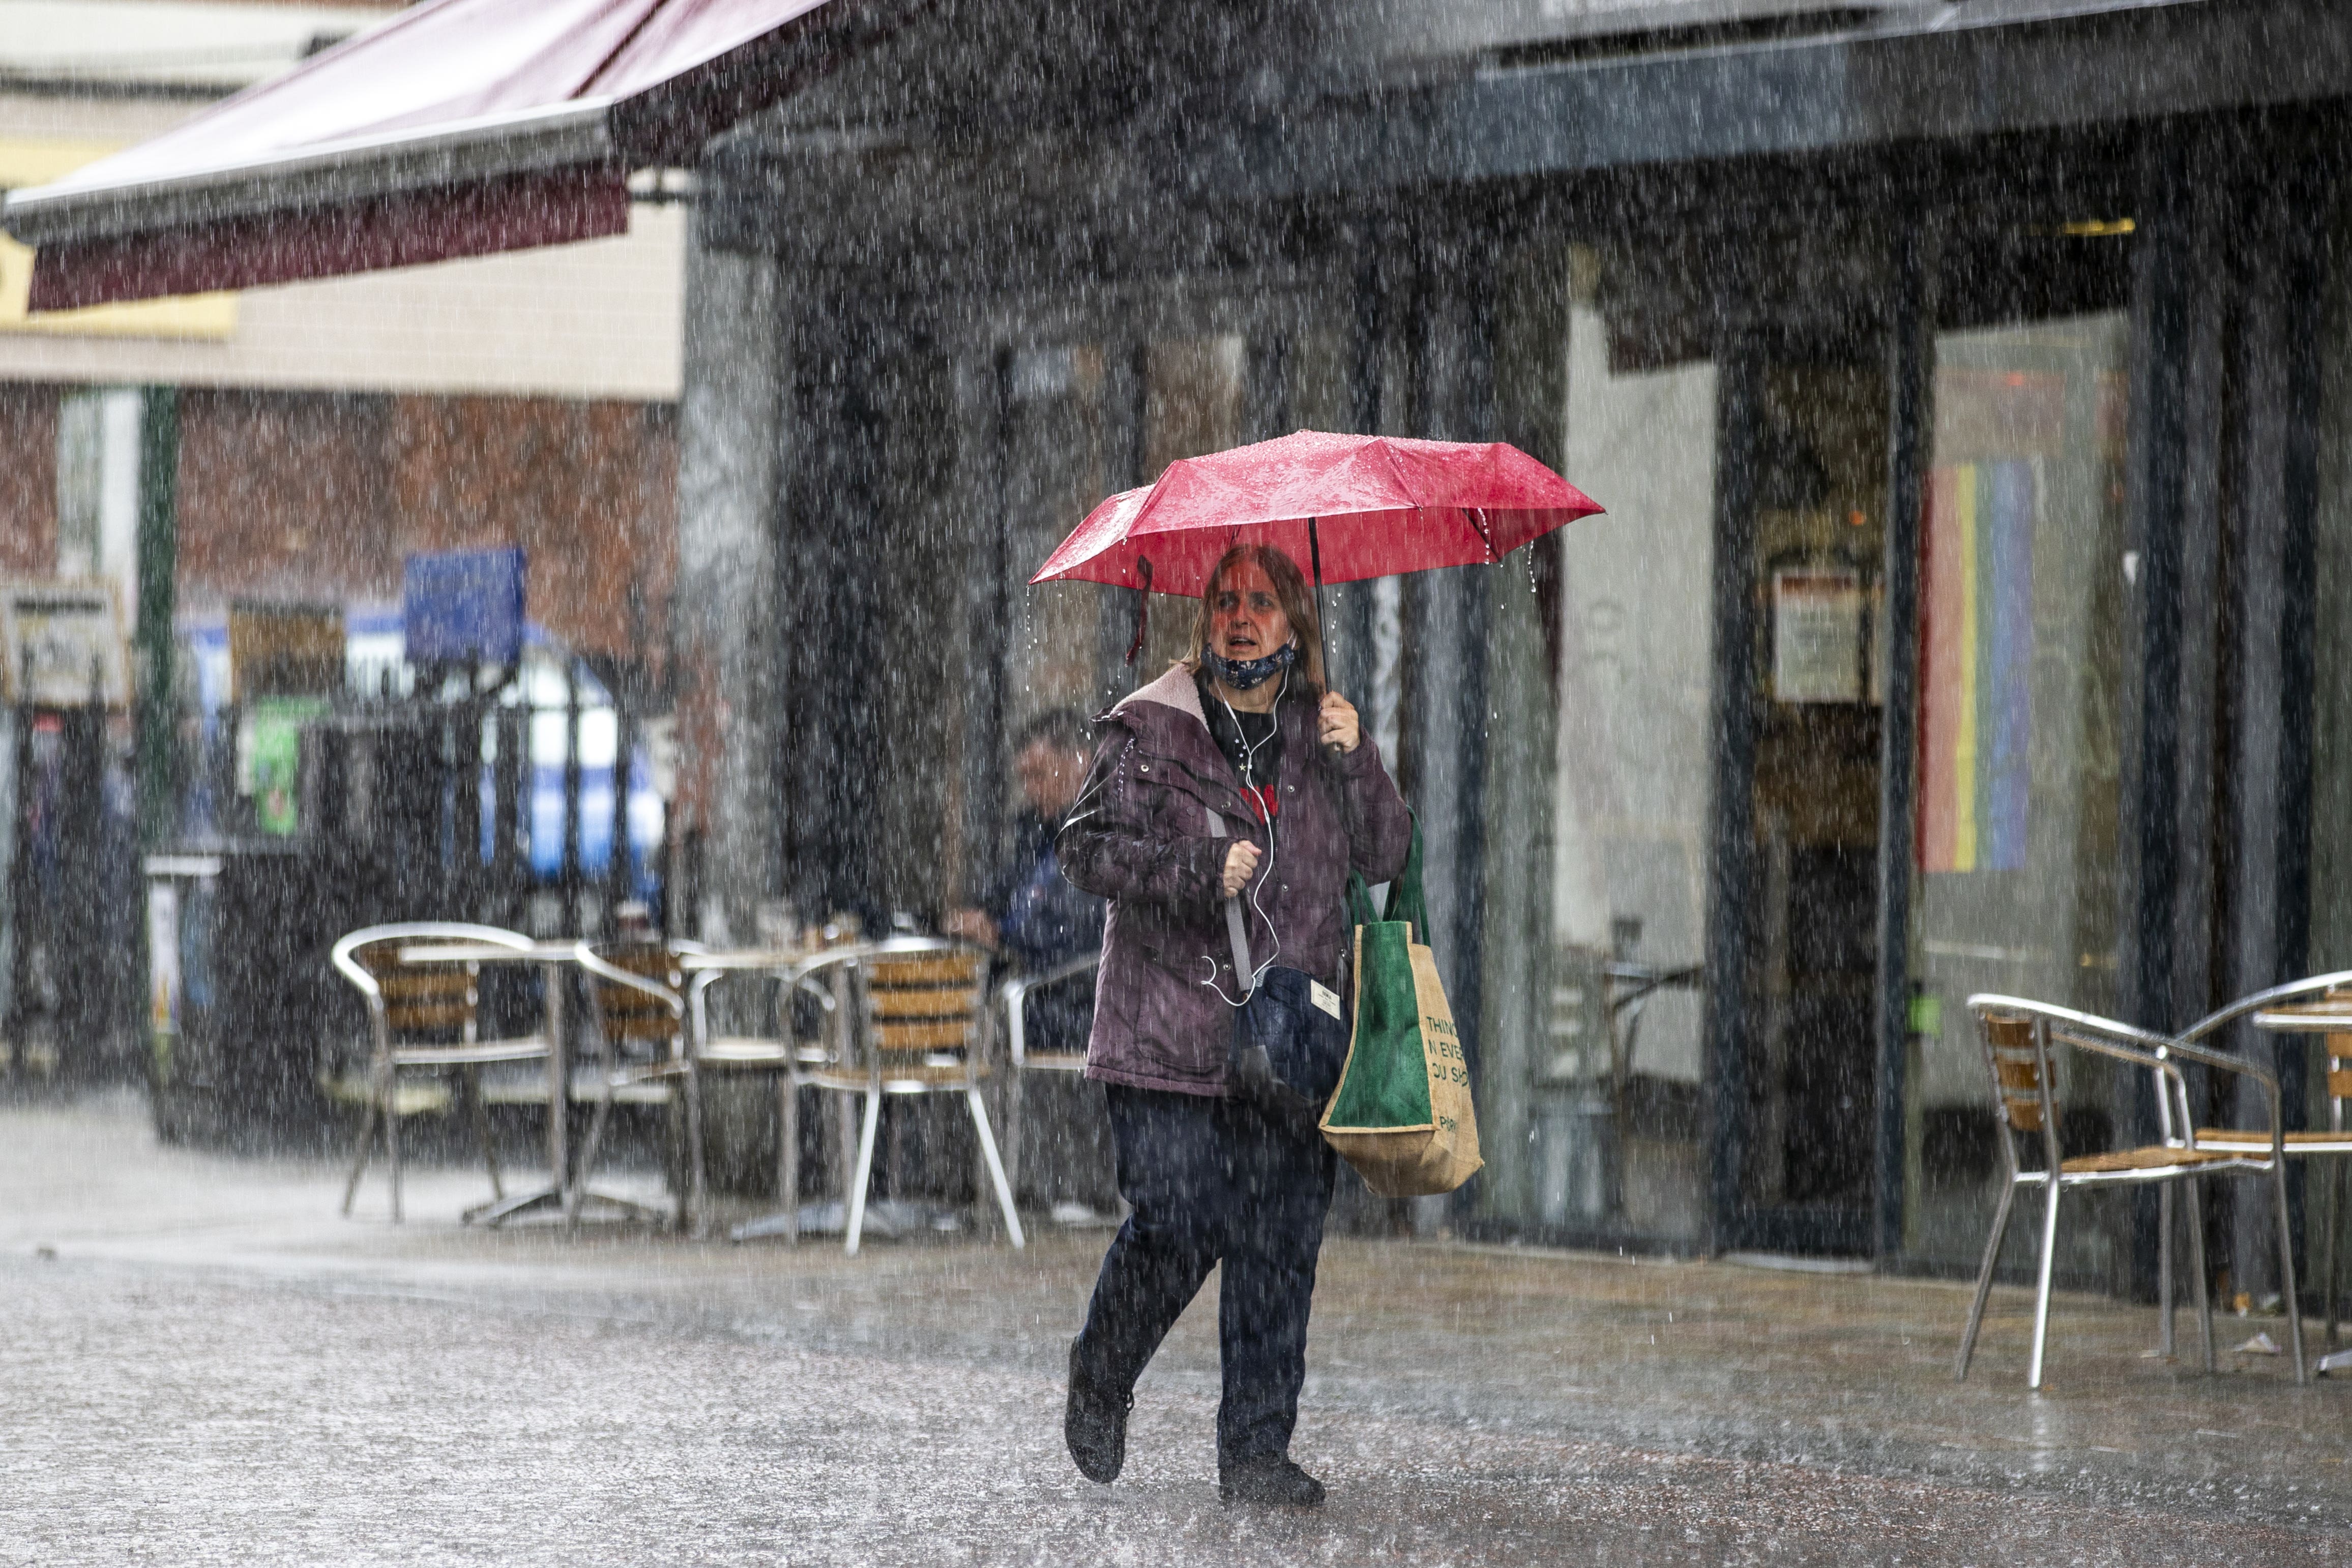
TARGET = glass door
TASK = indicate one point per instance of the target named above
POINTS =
(1795, 1035)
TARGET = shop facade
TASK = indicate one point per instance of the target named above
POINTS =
(1966, 401)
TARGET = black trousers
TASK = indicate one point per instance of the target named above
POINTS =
(1214, 1181)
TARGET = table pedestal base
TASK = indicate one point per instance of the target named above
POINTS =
(596, 1206)
(892, 1219)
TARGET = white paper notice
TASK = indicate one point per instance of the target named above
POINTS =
(1817, 634)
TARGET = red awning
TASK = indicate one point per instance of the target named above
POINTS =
(458, 128)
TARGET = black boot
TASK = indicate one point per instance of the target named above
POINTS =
(1094, 1424)
(1270, 1477)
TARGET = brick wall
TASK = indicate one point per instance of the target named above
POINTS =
(285, 496)
(588, 489)
(310, 496)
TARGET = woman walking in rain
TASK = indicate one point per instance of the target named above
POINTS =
(1235, 776)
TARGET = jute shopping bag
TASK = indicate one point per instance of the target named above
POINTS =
(1403, 1114)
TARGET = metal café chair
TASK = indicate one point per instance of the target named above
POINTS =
(2020, 1037)
(638, 992)
(782, 1053)
(1012, 997)
(424, 1018)
(2322, 1006)
(918, 1024)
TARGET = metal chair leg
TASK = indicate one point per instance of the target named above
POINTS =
(2042, 1284)
(696, 1218)
(359, 1160)
(856, 1220)
(2335, 1168)
(473, 1092)
(1016, 1116)
(587, 1164)
(845, 1144)
(392, 1139)
(674, 1174)
(995, 1167)
(2196, 1268)
(1984, 1281)
(788, 1154)
(2286, 1270)
(2164, 1283)
(983, 1192)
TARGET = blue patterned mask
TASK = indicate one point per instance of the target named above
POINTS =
(1243, 673)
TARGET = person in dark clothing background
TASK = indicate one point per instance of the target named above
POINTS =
(1028, 911)
(1034, 920)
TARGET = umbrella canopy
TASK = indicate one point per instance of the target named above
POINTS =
(1368, 505)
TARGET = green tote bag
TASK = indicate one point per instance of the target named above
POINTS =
(1403, 1114)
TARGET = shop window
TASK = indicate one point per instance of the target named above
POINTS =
(2023, 591)
(1601, 662)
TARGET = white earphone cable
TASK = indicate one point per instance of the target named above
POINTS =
(1272, 843)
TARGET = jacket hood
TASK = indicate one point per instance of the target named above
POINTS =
(1176, 689)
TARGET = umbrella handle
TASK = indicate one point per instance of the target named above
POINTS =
(1143, 608)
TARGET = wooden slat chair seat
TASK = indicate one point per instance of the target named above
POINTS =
(423, 1016)
(2021, 1041)
(915, 1022)
(904, 1077)
(2152, 1158)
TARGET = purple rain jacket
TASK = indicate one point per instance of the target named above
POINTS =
(1140, 837)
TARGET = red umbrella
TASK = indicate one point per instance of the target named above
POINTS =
(1350, 505)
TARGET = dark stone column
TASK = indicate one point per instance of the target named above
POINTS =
(2164, 270)
(1910, 378)
(1124, 391)
(979, 412)
(2275, 371)
(1731, 837)
(1447, 614)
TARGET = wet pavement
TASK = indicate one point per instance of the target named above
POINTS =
(202, 1363)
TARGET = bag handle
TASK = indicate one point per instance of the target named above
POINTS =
(1234, 930)
(1405, 900)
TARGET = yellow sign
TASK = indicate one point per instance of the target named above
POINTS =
(28, 162)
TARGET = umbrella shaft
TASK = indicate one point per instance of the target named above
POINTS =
(1315, 555)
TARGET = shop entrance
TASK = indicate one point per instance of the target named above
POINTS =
(1801, 672)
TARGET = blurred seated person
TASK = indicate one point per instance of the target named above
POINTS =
(1029, 913)
(1035, 920)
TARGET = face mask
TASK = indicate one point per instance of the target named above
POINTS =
(1245, 674)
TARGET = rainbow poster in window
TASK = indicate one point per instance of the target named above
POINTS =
(1976, 652)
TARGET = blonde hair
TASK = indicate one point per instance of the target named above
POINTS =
(1290, 591)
